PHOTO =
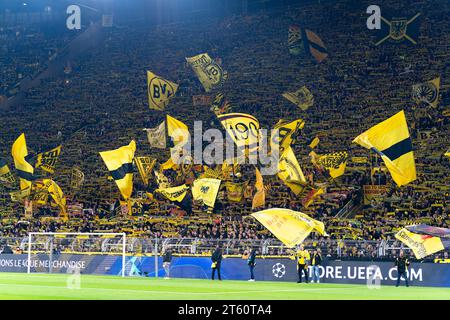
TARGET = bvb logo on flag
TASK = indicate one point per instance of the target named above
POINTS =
(427, 92)
(215, 73)
(398, 29)
(159, 91)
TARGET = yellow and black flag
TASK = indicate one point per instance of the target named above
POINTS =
(220, 104)
(25, 171)
(335, 163)
(290, 172)
(159, 91)
(398, 28)
(302, 98)
(120, 165)
(392, 141)
(77, 178)
(235, 191)
(284, 133)
(58, 196)
(424, 240)
(206, 190)
(178, 195)
(47, 160)
(19, 195)
(294, 40)
(243, 129)
(310, 42)
(145, 167)
(209, 72)
(427, 92)
(5, 173)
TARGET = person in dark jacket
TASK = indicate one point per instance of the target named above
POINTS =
(402, 263)
(251, 261)
(216, 261)
(167, 260)
(316, 261)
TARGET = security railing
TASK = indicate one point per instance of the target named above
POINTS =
(331, 248)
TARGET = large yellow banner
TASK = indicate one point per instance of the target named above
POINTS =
(421, 245)
(288, 226)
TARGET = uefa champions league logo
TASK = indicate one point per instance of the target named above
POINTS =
(278, 270)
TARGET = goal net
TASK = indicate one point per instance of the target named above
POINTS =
(79, 253)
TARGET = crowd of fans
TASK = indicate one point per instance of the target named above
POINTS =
(101, 104)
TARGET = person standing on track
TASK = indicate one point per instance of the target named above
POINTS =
(167, 260)
(302, 263)
(402, 263)
(216, 261)
(316, 261)
(251, 261)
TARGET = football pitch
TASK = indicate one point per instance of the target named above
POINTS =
(55, 287)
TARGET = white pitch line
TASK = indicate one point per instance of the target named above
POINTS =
(177, 292)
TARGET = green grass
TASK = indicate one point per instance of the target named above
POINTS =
(45, 286)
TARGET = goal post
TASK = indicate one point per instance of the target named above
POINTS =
(63, 251)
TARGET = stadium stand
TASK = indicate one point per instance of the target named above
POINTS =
(101, 104)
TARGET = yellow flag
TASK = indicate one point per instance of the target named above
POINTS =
(284, 133)
(162, 180)
(421, 245)
(288, 226)
(145, 166)
(314, 143)
(5, 173)
(169, 164)
(290, 172)
(391, 140)
(18, 196)
(259, 199)
(157, 136)
(159, 91)
(57, 196)
(427, 92)
(220, 104)
(311, 196)
(447, 153)
(47, 160)
(243, 129)
(178, 131)
(335, 163)
(302, 98)
(24, 170)
(174, 193)
(217, 173)
(120, 165)
(235, 191)
(208, 71)
(77, 178)
(206, 190)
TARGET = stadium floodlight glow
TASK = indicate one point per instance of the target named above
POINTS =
(45, 242)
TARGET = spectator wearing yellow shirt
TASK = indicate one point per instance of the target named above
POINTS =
(303, 258)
